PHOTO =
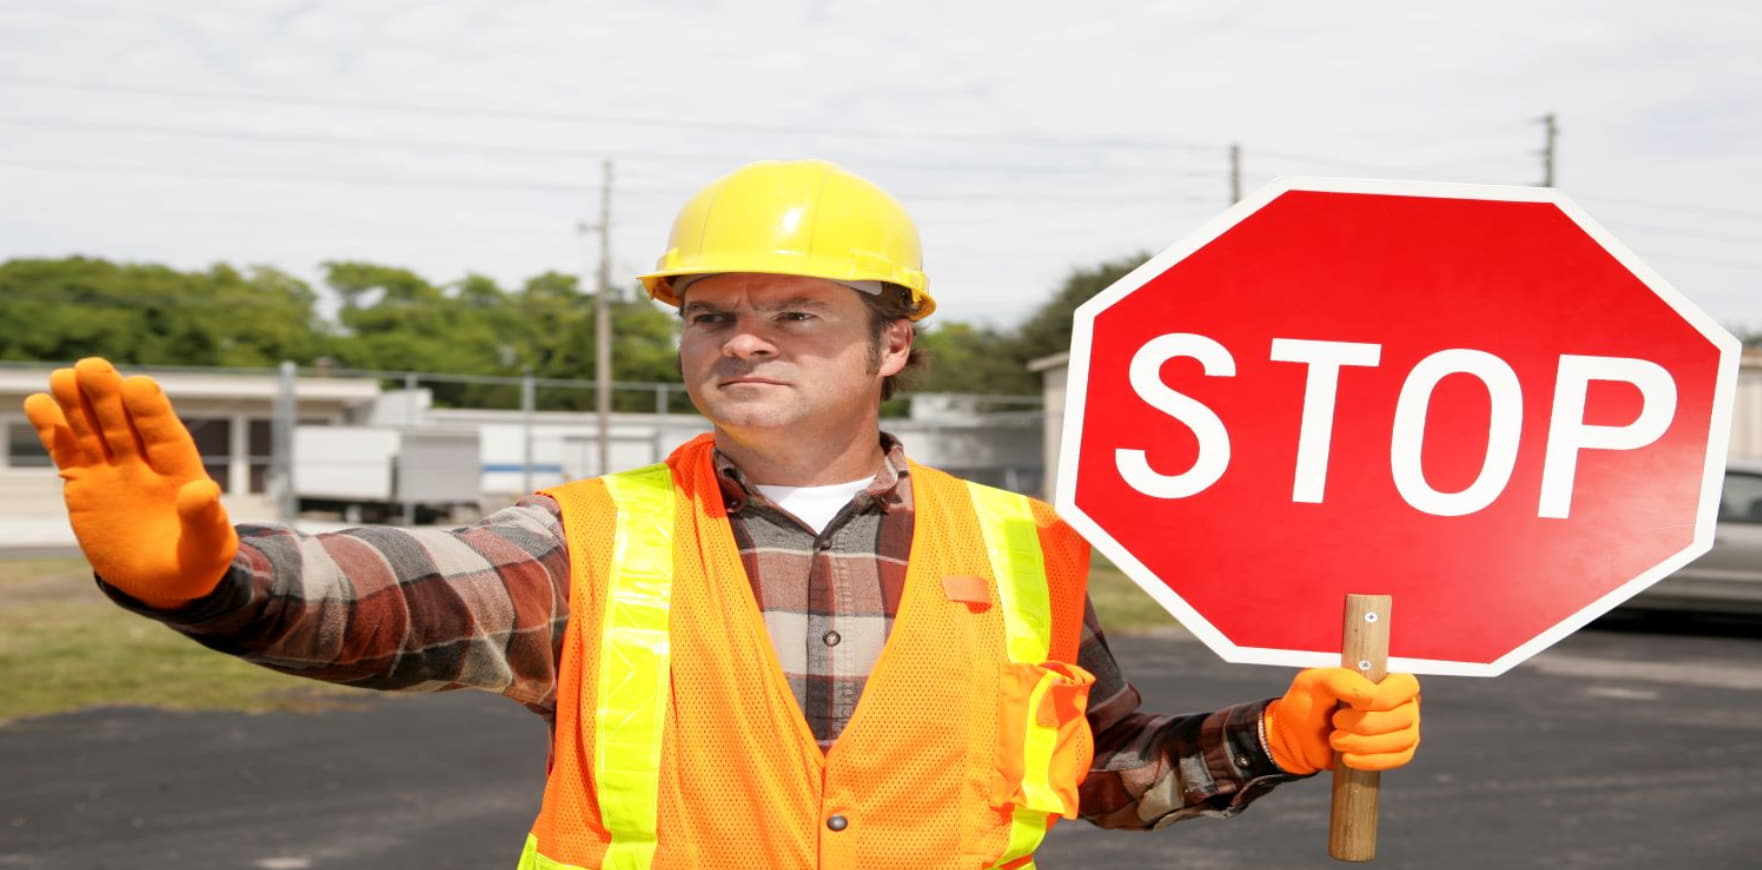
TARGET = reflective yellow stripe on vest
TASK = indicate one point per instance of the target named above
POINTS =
(1012, 541)
(530, 859)
(634, 665)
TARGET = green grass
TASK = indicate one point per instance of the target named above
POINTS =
(64, 646)
(1122, 607)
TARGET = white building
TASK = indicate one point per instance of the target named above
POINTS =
(230, 414)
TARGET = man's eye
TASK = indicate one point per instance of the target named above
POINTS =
(795, 316)
(708, 318)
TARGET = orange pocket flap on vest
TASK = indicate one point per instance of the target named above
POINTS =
(1045, 745)
(969, 589)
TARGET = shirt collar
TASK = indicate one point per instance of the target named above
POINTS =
(884, 490)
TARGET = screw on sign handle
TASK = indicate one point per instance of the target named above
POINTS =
(1352, 831)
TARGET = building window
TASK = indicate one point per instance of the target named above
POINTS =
(214, 441)
(262, 447)
(23, 449)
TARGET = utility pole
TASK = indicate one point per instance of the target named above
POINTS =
(602, 322)
(528, 401)
(1551, 131)
(1235, 172)
(286, 415)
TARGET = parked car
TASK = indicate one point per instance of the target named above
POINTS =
(1728, 578)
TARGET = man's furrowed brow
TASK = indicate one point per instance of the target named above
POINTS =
(692, 307)
(796, 304)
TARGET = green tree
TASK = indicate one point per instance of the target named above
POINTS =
(395, 320)
(559, 341)
(968, 359)
(62, 309)
(1048, 330)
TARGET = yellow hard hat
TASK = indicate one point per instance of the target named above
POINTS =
(803, 217)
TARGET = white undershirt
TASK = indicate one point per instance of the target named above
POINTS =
(815, 505)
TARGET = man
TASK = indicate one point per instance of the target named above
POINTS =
(788, 646)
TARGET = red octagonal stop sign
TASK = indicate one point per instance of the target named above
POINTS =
(1469, 398)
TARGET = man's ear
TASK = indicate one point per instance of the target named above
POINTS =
(896, 347)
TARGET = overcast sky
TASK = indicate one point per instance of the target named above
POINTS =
(1026, 137)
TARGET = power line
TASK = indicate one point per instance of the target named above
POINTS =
(176, 172)
(1709, 211)
(1038, 197)
(574, 189)
(1092, 142)
(1327, 161)
(566, 152)
(1746, 265)
(299, 138)
(1026, 198)
(1686, 233)
(453, 111)
(532, 115)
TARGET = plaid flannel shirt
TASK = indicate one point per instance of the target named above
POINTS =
(485, 607)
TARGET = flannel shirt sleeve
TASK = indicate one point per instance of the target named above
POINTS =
(1152, 770)
(483, 606)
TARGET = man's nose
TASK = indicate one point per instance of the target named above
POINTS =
(746, 342)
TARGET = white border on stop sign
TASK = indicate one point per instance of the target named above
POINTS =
(1070, 444)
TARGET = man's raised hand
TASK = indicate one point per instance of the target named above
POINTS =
(145, 511)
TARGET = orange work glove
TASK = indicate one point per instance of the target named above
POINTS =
(1376, 729)
(146, 514)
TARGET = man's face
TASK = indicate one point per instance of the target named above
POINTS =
(765, 352)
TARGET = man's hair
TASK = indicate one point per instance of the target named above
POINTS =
(893, 303)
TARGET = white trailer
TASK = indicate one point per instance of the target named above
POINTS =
(370, 474)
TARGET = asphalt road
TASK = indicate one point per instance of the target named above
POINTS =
(1616, 749)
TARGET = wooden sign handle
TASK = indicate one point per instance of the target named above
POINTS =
(1352, 831)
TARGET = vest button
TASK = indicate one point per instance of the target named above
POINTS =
(837, 823)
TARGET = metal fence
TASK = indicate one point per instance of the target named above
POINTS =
(391, 429)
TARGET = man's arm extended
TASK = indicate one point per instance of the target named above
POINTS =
(399, 609)
(380, 607)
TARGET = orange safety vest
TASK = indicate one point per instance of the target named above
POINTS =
(678, 743)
